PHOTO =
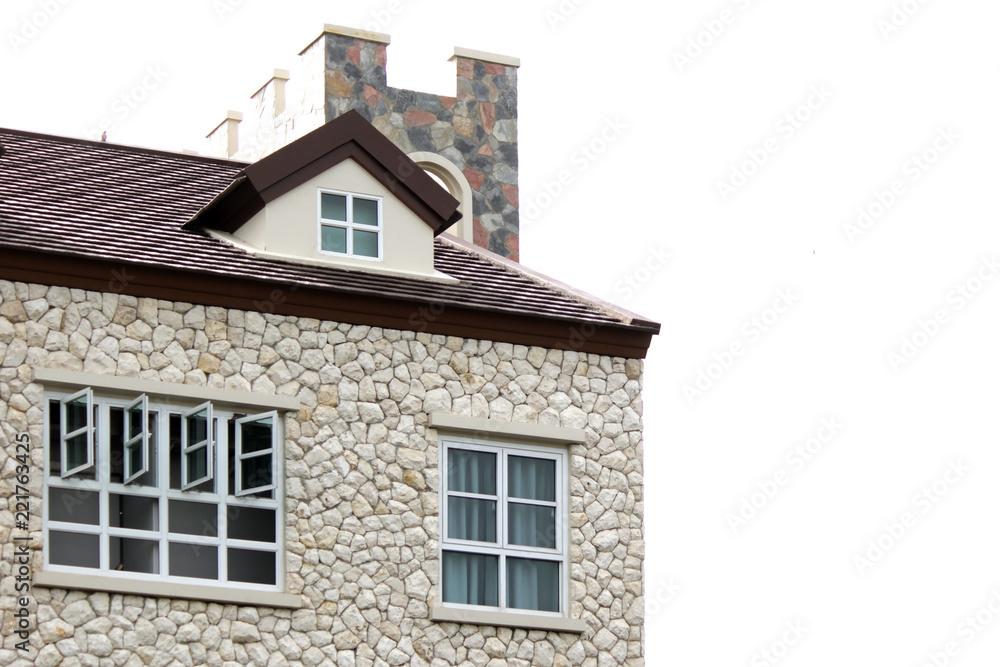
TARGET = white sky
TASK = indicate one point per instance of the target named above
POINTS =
(612, 67)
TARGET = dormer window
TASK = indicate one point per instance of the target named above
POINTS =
(350, 224)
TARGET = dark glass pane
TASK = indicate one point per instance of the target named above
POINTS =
(197, 464)
(256, 471)
(334, 207)
(134, 555)
(135, 422)
(135, 457)
(136, 512)
(472, 472)
(250, 523)
(75, 505)
(74, 549)
(76, 414)
(76, 451)
(531, 525)
(531, 478)
(256, 435)
(365, 243)
(334, 239)
(365, 211)
(533, 584)
(197, 427)
(472, 519)
(255, 567)
(470, 578)
(194, 560)
(193, 518)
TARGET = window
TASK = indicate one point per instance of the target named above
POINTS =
(350, 224)
(504, 528)
(140, 489)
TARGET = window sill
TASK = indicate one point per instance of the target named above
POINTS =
(508, 620)
(162, 589)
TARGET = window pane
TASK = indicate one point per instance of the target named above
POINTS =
(334, 239)
(194, 560)
(197, 463)
(533, 584)
(74, 549)
(250, 523)
(365, 243)
(135, 422)
(76, 414)
(365, 211)
(76, 451)
(256, 471)
(334, 207)
(472, 472)
(470, 578)
(531, 525)
(135, 457)
(197, 428)
(255, 567)
(256, 435)
(472, 519)
(75, 505)
(193, 518)
(135, 512)
(135, 555)
(531, 478)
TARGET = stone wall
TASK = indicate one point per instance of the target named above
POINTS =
(362, 484)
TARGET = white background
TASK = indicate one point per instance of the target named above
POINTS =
(715, 595)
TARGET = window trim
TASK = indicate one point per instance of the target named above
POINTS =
(348, 224)
(504, 449)
(221, 499)
(241, 456)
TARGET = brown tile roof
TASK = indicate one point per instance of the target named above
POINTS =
(92, 201)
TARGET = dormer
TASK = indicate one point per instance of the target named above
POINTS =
(343, 195)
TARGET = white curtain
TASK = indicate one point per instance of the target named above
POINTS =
(534, 479)
(471, 578)
(532, 584)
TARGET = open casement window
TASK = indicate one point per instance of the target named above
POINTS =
(255, 448)
(76, 433)
(350, 224)
(503, 545)
(138, 435)
(197, 430)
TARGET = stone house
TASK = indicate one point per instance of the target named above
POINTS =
(276, 412)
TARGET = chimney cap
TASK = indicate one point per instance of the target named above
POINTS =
(357, 33)
(230, 115)
(485, 56)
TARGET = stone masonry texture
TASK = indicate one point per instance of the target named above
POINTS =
(361, 480)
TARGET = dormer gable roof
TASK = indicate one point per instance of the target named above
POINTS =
(349, 136)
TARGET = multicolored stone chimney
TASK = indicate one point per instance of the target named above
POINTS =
(468, 141)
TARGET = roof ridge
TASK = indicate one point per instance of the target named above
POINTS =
(577, 295)
(122, 147)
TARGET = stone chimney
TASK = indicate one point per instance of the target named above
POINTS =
(468, 141)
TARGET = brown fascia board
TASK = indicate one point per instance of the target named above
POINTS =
(349, 136)
(158, 282)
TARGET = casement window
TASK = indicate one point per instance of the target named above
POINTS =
(350, 224)
(148, 490)
(503, 545)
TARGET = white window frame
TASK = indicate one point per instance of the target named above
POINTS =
(89, 428)
(241, 456)
(222, 499)
(142, 439)
(188, 448)
(503, 548)
(349, 224)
